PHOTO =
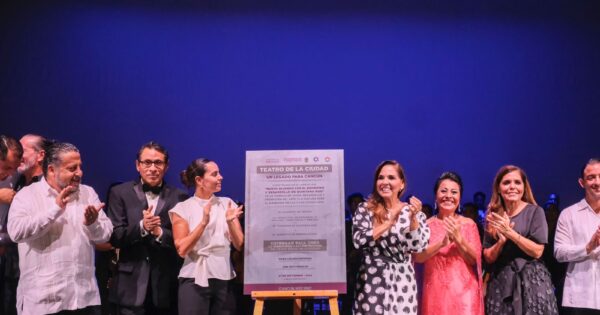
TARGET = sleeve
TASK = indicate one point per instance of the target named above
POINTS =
(166, 238)
(362, 228)
(101, 230)
(565, 247)
(178, 210)
(28, 222)
(418, 238)
(471, 234)
(488, 239)
(124, 234)
(538, 227)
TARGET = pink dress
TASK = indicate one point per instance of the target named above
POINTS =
(450, 285)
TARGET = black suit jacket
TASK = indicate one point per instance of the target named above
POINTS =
(143, 259)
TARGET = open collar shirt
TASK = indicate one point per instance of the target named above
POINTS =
(575, 228)
(56, 250)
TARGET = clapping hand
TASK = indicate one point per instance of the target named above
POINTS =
(415, 206)
(65, 196)
(452, 227)
(151, 222)
(233, 212)
(91, 213)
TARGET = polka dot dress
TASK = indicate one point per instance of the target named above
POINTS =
(386, 279)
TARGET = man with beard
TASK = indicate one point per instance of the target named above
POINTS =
(34, 150)
(55, 222)
(29, 171)
(577, 242)
(146, 278)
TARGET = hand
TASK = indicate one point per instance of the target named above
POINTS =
(594, 241)
(7, 195)
(206, 213)
(501, 223)
(232, 212)
(415, 206)
(453, 227)
(150, 221)
(91, 214)
(65, 196)
(446, 241)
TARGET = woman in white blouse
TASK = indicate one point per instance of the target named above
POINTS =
(204, 227)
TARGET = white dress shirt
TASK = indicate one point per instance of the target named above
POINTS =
(210, 257)
(575, 228)
(56, 250)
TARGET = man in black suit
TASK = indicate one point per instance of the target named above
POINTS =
(148, 264)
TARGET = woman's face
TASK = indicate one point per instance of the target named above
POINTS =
(211, 182)
(448, 196)
(511, 187)
(389, 184)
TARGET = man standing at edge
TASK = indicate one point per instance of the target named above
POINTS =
(577, 242)
(56, 221)
(11, 153)
(30, 171)
(146, 279)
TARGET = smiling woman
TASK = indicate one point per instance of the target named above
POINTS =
(453, 257)
(514, 241)
(204, 228)
(387, 231)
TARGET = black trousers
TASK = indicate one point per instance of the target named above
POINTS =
(580, 311)
(197, 300)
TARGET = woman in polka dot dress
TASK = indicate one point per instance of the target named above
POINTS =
(388, 231)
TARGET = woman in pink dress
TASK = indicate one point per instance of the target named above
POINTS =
(452, 273)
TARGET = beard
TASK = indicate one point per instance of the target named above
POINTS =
(73, 182)
(26, 166)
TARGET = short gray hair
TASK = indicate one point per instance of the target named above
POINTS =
(54, 151)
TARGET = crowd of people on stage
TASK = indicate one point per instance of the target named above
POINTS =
(153, 249)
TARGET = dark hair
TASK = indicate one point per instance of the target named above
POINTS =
(375, 201)
(196, 168)
(10, 143)
(153, 145)
(450, 176)
(497, 202)
(589, 162)
(54, 152)
(353, 196)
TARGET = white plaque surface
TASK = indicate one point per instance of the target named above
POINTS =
(294, 215)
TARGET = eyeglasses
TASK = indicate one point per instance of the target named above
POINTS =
(148, 163)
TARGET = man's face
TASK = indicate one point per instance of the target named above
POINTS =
(31, 156)
(152, 167)
(591, 181)
(67, 173)
(9, 166)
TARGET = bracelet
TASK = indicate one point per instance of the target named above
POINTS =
(231, 220)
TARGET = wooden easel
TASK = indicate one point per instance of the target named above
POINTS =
(261, 296)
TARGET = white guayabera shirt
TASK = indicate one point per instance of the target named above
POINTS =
(56, 250)
(575, 228)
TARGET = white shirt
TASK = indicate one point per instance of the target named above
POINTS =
(575, 228)
(56, 250)
(210, 257)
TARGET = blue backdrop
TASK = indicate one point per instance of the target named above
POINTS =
(465, 86)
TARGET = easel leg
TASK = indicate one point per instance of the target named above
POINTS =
(333, 306)
(258, 306)
(297, 306)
